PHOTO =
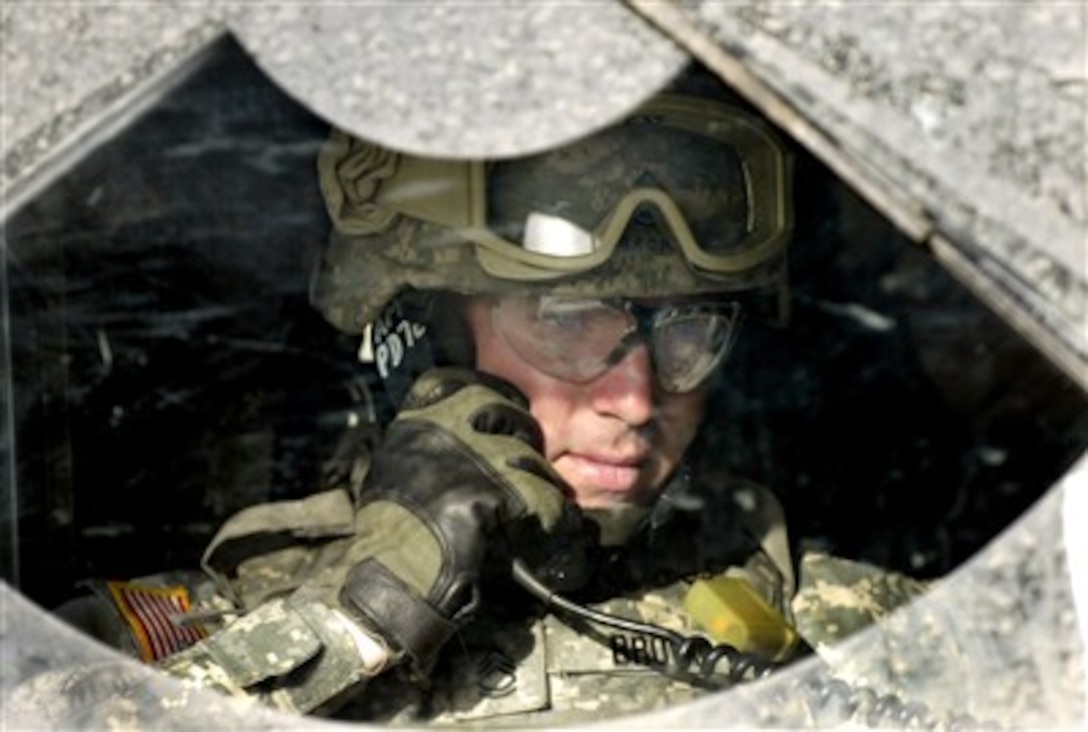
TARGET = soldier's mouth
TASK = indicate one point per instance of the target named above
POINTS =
(607, 479)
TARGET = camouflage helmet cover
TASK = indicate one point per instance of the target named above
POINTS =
(685, 196)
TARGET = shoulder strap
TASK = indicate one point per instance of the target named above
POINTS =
(269, 549)
(762, 514)
(758, 512)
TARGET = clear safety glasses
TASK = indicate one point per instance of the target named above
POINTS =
(712, 177)
(579, 339)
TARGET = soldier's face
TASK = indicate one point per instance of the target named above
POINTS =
(614, 439)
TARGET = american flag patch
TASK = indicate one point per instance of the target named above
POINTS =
(151, 612)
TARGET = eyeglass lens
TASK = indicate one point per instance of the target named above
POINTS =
(578, 340)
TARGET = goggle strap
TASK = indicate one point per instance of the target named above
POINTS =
(447, 192)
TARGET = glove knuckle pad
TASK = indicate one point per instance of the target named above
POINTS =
(506, 419)
(439, 384)
(434, 386)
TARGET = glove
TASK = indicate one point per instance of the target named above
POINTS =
(460, 472)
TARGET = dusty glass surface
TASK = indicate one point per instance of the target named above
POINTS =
(166, 368)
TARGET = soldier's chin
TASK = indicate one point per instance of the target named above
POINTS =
(618, 521)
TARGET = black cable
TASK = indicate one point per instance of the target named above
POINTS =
(537, 588)
(694, 655)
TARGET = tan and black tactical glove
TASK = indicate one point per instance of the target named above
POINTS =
(458, 476)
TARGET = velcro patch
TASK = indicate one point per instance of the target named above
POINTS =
(151, 613)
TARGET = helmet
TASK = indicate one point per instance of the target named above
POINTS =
(689, 194)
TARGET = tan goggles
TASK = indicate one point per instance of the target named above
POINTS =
(578, 340)
(710, 177)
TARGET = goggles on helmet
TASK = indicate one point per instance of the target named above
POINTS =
(711, 177)
(579, 339)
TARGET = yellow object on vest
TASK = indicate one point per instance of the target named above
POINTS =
(731, 611)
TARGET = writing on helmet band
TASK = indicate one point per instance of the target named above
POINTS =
(709, 177)
(580, 339)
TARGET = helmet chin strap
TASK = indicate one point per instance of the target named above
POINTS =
(620, 522)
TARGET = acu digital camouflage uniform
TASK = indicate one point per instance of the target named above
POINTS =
(516, 663)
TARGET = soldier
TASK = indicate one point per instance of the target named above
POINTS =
(540, 531)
